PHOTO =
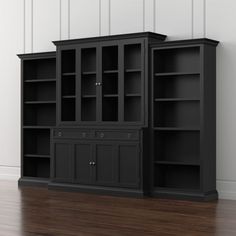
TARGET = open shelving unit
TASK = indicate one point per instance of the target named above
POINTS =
(176, 119)
(38, 114)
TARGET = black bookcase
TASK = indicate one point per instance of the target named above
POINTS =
(38, 74)
(183, 121)
(124, 114)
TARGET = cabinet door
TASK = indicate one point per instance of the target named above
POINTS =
(88, 83)
(110, 81)
(132, 84)
(66, 85)
(63, 162)
(83, 163)
(105, 164)
(129, 165)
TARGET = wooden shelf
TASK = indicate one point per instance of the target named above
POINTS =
(132, 70)
(176, 74)
(37, 155)
(68, 74)
(39, 80)
(40, 102)
(175, 99)
(68, 96)
(133, 95)
(37, 127)
(88, 96)
(110, 71)
(177, 128)
(177, 163)
(89, 73)
(110, 95)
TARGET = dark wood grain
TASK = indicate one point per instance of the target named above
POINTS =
(31, 211)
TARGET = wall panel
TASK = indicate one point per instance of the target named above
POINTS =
(173, 17)
(11, 29)
(126, 16)
(84, 18)
(46, 24)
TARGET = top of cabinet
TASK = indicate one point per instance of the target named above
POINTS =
(39, 55)
(186, 42)
(150, 35)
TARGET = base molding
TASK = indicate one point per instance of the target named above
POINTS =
(33, 182)
(193, 196)
(226, 189)
(123, 192)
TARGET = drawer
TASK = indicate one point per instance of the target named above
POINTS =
(73, 133)
(117, 135)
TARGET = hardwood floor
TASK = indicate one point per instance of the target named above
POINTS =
(30, 211)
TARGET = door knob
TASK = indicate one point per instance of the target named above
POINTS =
(102, 135)
(90, 163)
(60, 134)
(94, 163)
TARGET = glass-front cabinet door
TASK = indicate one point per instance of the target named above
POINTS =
(133, 82)
(67, 85)
(88, 84)
(110, 83)
(102, 83)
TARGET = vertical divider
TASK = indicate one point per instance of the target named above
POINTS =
(121, 65)
(99, 79)
(58, 87)
(78, 90)
(144, 92)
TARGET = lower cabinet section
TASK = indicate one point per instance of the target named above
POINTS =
(92, 163)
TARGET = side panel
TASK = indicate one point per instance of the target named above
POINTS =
(129, 165)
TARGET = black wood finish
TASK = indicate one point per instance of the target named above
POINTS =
(184, 119)
(38, 115)
(123, 114)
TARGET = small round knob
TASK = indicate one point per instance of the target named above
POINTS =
(94, 163)
(84, 135)
(90, 163)
(102, 135)
(96, 84)
(129, 135)
(59, 133)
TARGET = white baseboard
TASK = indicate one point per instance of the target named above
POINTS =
(9, 172)
(226, 188)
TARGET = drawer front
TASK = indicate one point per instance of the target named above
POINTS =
(74, 134)
(117, 135)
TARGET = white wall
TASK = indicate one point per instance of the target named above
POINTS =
(31, 25)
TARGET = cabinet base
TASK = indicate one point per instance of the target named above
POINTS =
(97, 189)
(193, 196)
(33, 182)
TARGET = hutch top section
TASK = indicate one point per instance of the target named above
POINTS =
(150, 35)
(104, 80)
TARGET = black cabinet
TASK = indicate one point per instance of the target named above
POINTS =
(126, 114)
(106, 158)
